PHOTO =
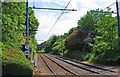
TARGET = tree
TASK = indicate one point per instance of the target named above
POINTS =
(13, 30)
(106, 44)
(72, 30)
(88, 22)
(49, 43)
(75, 41)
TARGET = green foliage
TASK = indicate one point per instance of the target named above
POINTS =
(58, 47)
(55, 49)
(41, 51)
(13, 32)
(88, 22)
(13, 24)
(76, 54)
(14, 62)
(106, 44)
(75, 41)
(72, 30)
(49, 43)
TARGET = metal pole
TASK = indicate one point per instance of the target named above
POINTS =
(27, 18)
(27, 32)
(118, 17)
(118, 24)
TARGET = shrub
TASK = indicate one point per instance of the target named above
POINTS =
(75, 41)
(15, 63)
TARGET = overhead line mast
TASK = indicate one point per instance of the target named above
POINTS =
(118, 14)
(27, 49)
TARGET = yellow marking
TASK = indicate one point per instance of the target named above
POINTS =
(26, 37)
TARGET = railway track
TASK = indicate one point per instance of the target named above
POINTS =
(87, 67)
(48, 65)
(55, 67)
(63, 66)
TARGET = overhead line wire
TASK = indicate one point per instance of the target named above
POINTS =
(64, 11)
(57, 19)
(109, 6)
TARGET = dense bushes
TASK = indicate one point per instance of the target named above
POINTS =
(75, 41)
(16, 69)
(104, 41)
(15, 63)
(13, 33)
(106, 44)
(95, 39)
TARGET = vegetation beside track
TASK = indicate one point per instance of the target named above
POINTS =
(13, 23)
(15, 63)
(95, 39)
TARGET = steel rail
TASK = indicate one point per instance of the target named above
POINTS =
(91, 65)
(62, 59)
(79, 66)
(48, 66)
(61, 66)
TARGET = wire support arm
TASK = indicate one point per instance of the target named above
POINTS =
(54, 9)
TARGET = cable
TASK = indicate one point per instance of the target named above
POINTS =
(57, 19)
(109, 5)
(106, 8)
(33, 4)
(64, 11)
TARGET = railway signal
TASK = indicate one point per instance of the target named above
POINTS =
(24, 48)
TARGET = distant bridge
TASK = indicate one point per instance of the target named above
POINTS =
(41, 46)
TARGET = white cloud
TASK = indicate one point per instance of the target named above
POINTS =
(68, 20)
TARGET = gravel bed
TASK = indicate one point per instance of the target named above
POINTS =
(43, 69)
(57, 69)
(79, 71)
(102, 72)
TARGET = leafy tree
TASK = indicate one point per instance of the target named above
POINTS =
(72, 30)
(75, 41)
(56, 47)
(49, 43)
(106, 44)
(13, 32)
(95, 39)
(88, 22)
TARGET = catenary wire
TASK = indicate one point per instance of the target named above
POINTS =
(57, 19)
(109, 5)
(64, 11)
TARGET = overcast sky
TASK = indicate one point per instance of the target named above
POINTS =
(68, 20)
